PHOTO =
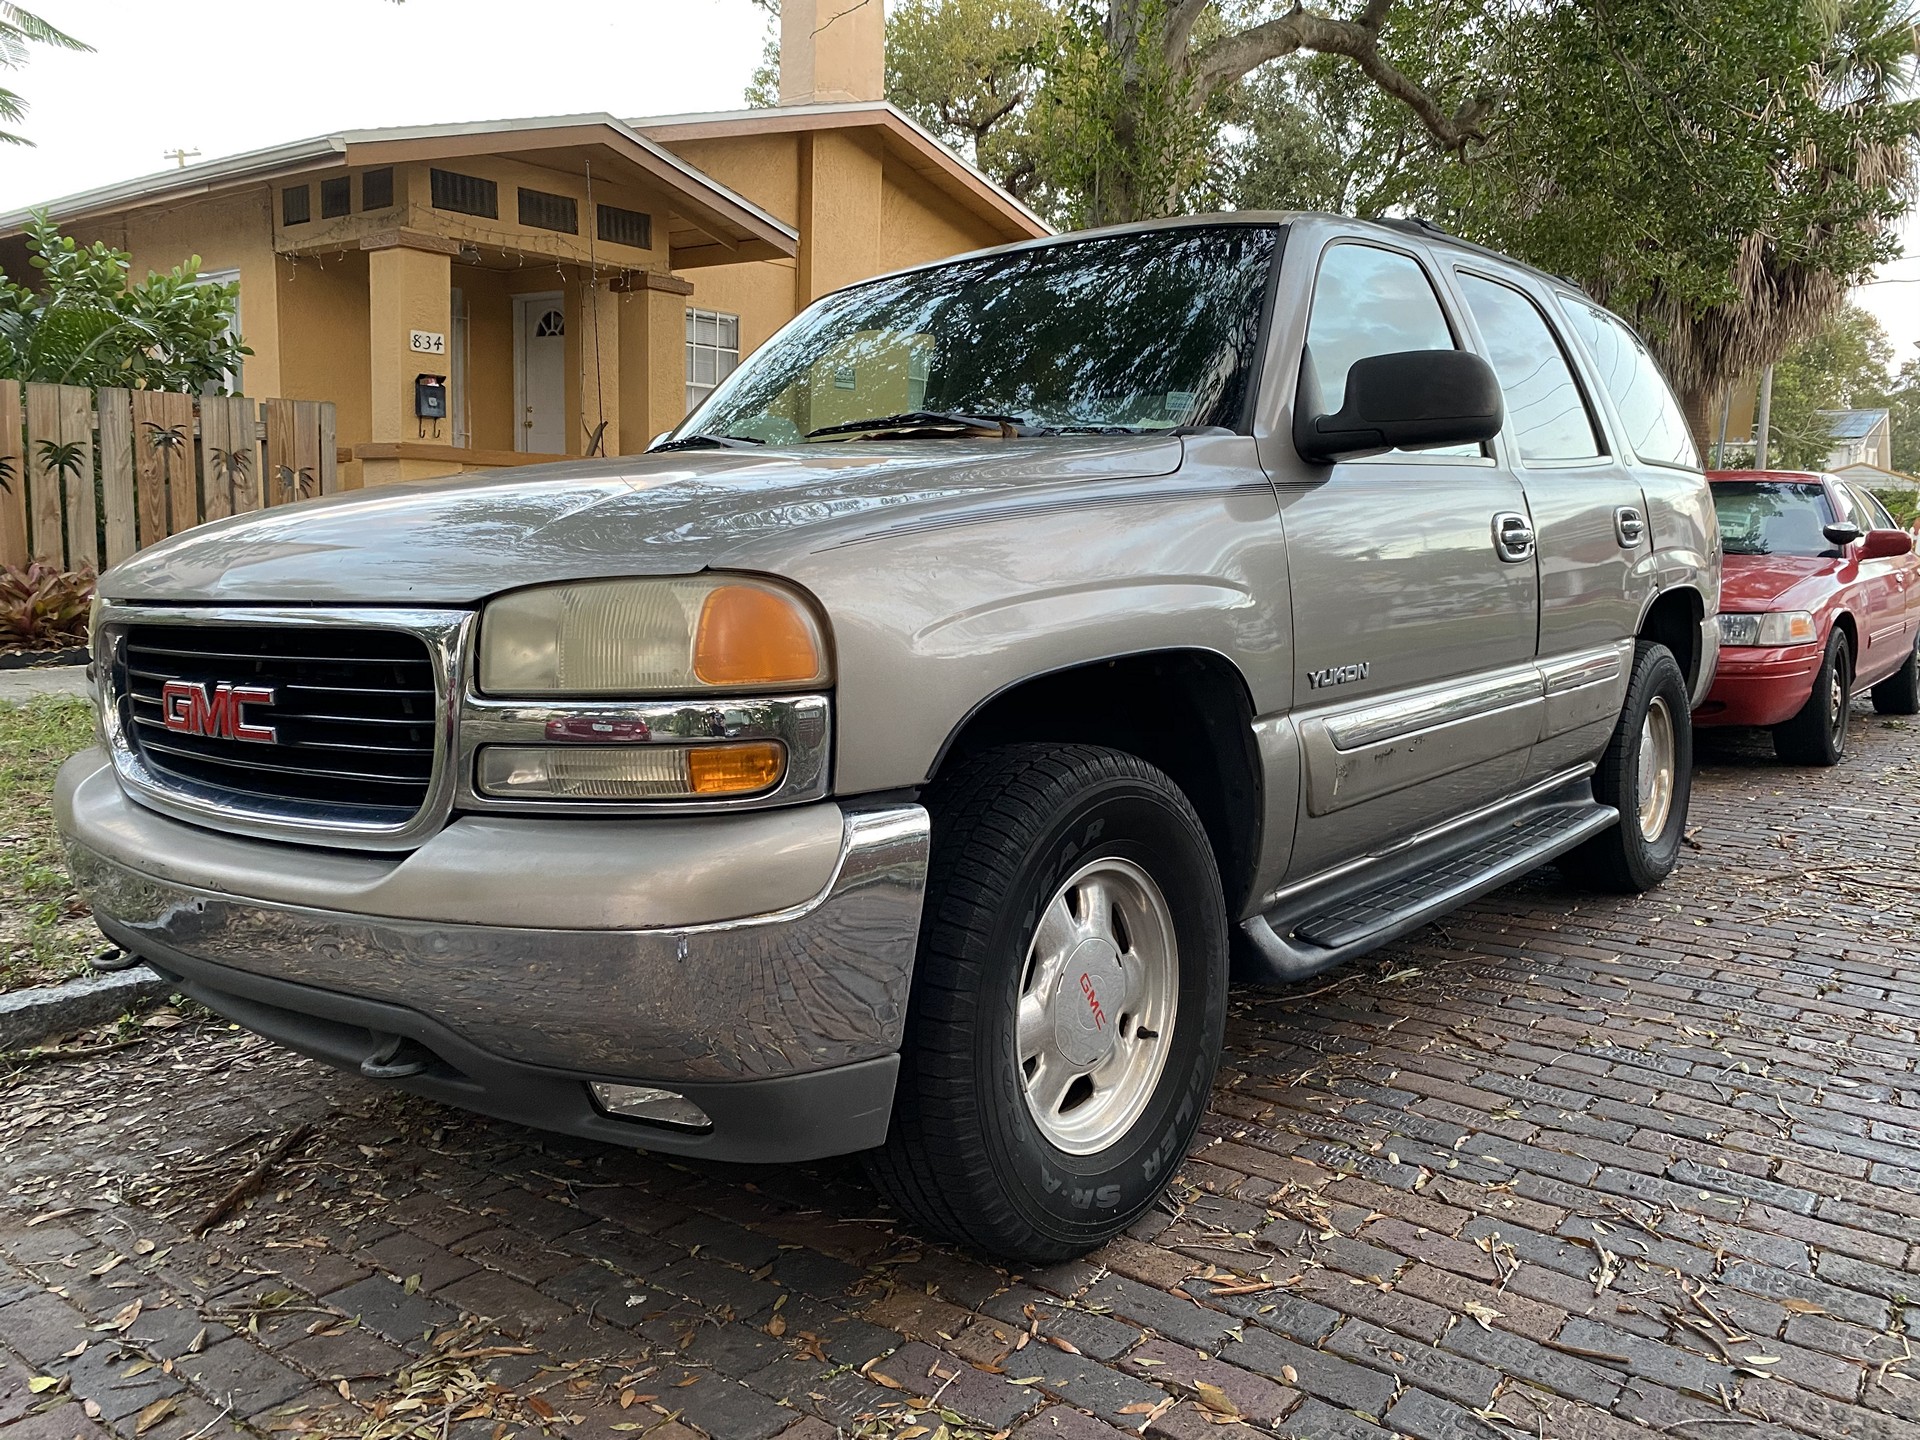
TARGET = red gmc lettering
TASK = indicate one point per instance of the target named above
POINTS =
(1093, 1001)
(216, 711)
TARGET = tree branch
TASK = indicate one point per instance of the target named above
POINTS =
(1230, 58)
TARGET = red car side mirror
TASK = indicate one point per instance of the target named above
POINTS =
(1886, 545)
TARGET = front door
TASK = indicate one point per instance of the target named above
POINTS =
(540, 372)
(1415, 599)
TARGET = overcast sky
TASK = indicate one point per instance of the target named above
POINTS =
(223, 76)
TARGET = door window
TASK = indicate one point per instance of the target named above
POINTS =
(1545, 410)
(1654, 424)
(1368, 301)
(1876, 516)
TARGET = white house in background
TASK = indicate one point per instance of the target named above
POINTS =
(1860, 437)
(1876, 477)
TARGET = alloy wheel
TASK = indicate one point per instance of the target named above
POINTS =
(1096, 1009)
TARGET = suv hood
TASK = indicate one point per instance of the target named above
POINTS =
(1774, 582)
(458, 541)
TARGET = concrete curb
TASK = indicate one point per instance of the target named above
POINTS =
(33, 1014)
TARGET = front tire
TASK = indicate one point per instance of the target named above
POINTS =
(1818, 734)
(1899, 693)
(1068, 1002)
(1647, 775)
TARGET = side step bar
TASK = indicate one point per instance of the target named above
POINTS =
(1321, 926)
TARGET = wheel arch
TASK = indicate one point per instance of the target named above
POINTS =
(1674, 619)
(1189, 712)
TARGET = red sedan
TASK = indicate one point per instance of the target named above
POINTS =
(1820, 596)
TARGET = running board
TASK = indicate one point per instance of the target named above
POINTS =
(1357, 912)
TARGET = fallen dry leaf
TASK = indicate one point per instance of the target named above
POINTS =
(1216, 1399)
(153, 1415)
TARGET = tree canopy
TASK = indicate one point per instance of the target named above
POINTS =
(1719, 171)
(20, 30)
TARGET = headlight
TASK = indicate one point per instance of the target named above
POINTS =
(650, 637)
(1774, 629)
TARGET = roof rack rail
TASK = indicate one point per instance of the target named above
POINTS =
(1420, 225)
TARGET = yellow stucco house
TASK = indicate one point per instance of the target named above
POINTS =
(576, 281)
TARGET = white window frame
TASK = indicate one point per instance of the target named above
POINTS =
(236, 378)
(726, 358)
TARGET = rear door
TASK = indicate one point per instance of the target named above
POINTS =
(1415, 689)
(1594, 550)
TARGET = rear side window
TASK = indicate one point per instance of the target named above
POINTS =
(1369, 301)
(1545, 410)
(1654, 424)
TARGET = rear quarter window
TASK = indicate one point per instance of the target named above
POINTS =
(1652, 421)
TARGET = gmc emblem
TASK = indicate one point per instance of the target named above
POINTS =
(216, 711)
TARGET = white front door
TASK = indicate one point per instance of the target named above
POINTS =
(540, 372)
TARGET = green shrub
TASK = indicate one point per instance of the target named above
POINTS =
(42, 608)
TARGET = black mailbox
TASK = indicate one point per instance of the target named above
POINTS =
(430, 397)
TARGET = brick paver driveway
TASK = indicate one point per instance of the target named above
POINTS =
(1560, 1167)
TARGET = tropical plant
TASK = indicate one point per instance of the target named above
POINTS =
(168, 441)
(1842, 366)
(42, 606)
(296, 484)
(19, 30)
(87, 324)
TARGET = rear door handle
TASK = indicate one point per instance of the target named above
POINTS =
(1513, 537)
(1630, 525)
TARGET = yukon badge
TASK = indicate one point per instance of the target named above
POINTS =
(1338, 675)
(216, 712)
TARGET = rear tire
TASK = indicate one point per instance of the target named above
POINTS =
(1818, 734)
(1647, 775)
(1054, 1070)
(1899, 693)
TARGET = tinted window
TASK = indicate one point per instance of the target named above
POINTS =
(1142, 331)
(1655, 426)
(1772, 517)
(1544, 409)
(1369, 301)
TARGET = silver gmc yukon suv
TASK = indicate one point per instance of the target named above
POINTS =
(893, 758)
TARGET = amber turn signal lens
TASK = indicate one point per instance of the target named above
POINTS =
(734, 769)
(750, 635)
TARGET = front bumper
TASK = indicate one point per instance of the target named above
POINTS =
(1759, 687)
(757, 964)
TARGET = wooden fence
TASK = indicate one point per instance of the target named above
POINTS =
(87, 479)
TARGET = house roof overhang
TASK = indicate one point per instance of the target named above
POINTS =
(706, 215)
(904, 141)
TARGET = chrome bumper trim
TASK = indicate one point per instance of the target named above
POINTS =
(822, 984)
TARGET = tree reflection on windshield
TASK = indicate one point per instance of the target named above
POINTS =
(1143, 331)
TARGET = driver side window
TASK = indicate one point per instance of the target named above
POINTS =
(1369, 301)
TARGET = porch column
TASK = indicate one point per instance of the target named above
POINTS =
(409, 287)
(599, 309)
(653, 356)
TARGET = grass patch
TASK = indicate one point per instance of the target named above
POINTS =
(45, 932)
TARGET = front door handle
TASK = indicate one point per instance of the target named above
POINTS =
(1630, 525)
(1513, 537)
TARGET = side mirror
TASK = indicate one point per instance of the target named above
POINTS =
(1842, 533)
(1886, 545)
(1412, 400)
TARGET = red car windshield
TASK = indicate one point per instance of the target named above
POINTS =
(1773, 517)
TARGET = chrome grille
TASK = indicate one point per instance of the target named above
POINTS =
(356, 702)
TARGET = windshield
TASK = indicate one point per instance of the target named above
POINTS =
(1773, 517)
(1143, 331)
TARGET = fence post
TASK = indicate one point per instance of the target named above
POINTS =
(13, 470)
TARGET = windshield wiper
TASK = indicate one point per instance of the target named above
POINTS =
(1009, 426)
(704, 441)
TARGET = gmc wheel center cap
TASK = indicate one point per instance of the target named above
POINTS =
(1086, 1002)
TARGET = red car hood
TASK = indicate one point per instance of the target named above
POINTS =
(1770, 582)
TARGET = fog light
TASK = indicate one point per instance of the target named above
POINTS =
(644, 1102)
(629, 772)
